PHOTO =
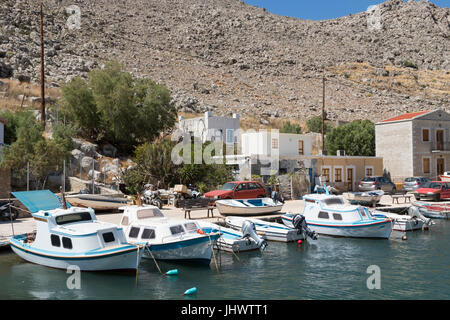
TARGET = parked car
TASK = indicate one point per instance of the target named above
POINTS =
(377, 183)
(414, 183)
(433, 190)
(238, 190)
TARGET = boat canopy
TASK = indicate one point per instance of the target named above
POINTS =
(38, 200)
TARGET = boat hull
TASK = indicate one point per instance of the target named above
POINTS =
(227, 209)
(196, 250)
(434, 211)
(125, 258)
(97, 203)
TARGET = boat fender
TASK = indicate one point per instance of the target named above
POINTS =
(173, 272)
(190, 291)
(249, 231)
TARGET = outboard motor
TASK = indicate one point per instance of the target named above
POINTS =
(415, 213)
(299, 223)
(249, 230)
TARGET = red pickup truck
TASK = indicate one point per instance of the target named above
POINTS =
(238, 190)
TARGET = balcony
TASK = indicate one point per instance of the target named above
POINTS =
(440, 147)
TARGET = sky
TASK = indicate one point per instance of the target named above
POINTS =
(321, 9)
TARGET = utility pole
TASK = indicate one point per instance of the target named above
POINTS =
(42, 69)
(323, 114)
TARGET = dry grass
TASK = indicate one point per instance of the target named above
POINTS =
(427, 83)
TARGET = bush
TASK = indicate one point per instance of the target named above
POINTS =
(290, 128)
(314, 124)
(409, 64)
(357, 138)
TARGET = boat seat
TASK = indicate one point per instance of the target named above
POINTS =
(407, 197)
(189, 205)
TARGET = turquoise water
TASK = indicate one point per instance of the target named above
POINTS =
(329, 268)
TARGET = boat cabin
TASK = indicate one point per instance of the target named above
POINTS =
(324, 207)
(74, 230)
(147, 224)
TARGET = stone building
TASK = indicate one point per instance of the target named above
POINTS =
(414, 144)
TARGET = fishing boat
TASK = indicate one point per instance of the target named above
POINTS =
(247, 207)
(370, 198)
(433, 210)
(270, 231)
(72, 236)
(412, 221)
(330, 215)
(233, 240)
(445, 177)
(97, 202)
(167, 238)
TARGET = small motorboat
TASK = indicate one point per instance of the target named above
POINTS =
(433, 210)
(98, 202)
(233, 240)
(414, 220)
(270, 231)
(369, 198)
(167, 238)
(245, 207)
(330, 215)
(445, 177)
(73, 237)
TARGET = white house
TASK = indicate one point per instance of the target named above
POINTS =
(212, 128)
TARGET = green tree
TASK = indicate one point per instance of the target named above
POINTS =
(357, 138)
(114, 107)
(290, 128)
(314, 124)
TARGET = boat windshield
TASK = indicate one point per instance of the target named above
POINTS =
(149, 213)
(73, 217)
(228, 186)
(332, 201)
(432, 185)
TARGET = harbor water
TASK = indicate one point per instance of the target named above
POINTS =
(329, 268)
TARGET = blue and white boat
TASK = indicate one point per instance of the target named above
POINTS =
(330, 215)
(270, 231)
(233, 240)
(167, 238)
(73, 237)
(246, 207)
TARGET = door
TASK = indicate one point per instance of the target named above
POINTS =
(350, 179)
(241, 191)
(440, 166)
(440, 139)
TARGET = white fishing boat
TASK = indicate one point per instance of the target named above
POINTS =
(433, 210)
(167, 238)
(414, 220)
(365, 198)
(233, 240)
(73, 237)
(244, 207)
(98, 202)
(329, 215)
(270, 231)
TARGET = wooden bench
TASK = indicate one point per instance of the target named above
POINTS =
(189, 205)
(405, 196)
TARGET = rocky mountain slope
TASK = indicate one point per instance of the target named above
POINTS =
(227, 56)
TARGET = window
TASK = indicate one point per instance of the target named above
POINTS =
(230, 136)
(252, 186)
(191, 226)
(326, 174)
(323, 215)
(337, 216)
(300, 147)
(148, 234)
(134, 232)
(332, 201)
(425, 135)
(426, 165)
(108, 237)
(73, 217)
(149, 213)
(125, 221)
(55, 240)
(242, 186)
(369, 172)
(176, 229)
(274, 143)
(67, 243)
(309, 200)
(338, 175)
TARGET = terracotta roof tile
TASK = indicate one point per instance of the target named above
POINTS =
(406, 116)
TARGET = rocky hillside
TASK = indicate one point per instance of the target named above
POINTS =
(228, 56)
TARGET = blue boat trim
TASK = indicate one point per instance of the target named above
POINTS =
(182, 244)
